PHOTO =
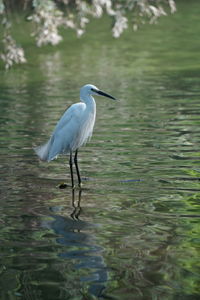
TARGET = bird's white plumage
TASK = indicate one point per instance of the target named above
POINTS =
(73, 129)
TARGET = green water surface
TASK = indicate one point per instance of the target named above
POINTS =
(133, 230)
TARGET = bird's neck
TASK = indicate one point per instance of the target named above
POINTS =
(89, 101)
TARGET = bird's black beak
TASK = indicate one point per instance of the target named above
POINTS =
(103, 94)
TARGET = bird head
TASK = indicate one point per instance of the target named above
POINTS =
(90, 89)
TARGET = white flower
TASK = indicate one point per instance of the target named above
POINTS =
(172, 6)
(121, 23)
(12, 53)
(80, 32)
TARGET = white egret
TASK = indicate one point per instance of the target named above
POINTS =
(73, 129)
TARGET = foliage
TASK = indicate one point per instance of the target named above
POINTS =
(48, 16)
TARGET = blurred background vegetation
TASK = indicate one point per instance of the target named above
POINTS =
(48, 17)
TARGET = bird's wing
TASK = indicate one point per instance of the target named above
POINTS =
(66, 130)
(73, 111)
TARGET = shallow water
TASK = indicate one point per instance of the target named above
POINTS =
(133, 230)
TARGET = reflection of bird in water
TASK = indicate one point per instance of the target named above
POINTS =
(77, 208)
(73, 129)
(78, 243)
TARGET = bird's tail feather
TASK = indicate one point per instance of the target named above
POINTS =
(43, 151)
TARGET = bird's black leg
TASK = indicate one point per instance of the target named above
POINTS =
(71, 168)
(77, 169)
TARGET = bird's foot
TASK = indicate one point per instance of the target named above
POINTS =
(80, 185)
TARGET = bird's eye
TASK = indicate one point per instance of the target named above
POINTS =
(94, 90)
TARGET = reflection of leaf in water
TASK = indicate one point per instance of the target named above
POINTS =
(62, 186)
